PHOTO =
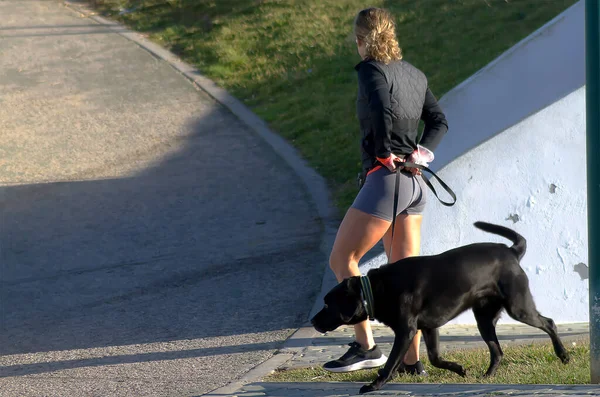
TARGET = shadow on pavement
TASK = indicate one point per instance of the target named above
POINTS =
(203, 244)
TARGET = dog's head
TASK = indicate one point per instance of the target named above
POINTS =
(343, 305)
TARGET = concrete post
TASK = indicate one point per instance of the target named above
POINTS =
(592, 35)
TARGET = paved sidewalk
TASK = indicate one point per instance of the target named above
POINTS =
(346, 389)
(136, 251)
(307, 348)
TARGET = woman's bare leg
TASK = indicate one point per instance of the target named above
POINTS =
(357, 234)
(407, 242)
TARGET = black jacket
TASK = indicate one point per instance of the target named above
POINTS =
(391, 100)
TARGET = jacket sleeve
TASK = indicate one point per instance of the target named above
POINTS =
(435, 122)
(378, 93)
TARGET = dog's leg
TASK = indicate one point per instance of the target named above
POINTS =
(519, 305)
(487, 317)
(431, 337)
(547, 325)
(552, 331)
(402, 341)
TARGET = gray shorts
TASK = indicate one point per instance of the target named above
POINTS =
(377, 194)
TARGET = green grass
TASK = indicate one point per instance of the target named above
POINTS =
(522, 364)
(292, 61)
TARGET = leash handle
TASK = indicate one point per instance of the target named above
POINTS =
(428, 183)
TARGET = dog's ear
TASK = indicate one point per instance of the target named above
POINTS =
(353, 285)
(351, 310)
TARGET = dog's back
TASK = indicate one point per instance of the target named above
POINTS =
(462, 275)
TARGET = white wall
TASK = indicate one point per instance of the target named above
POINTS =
(538, 71)
(513, 175)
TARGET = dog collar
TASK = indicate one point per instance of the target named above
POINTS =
(366, 294)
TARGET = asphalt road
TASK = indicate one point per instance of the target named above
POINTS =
(150, 243)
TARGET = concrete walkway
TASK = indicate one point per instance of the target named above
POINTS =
(147, 232)
(345, 389)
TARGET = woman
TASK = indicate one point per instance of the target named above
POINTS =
(392, 97)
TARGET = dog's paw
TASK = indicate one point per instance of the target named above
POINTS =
(457, 369)
(488, 374)
(367, 389)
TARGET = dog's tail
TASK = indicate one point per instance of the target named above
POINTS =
(519, 242)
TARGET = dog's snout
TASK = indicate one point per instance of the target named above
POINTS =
(313, 321)
(317, 322)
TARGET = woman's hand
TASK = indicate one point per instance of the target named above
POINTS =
(413, 158)
(414, 171)
(390, 161)
(421, 155)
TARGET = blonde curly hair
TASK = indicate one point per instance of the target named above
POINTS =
(377, 29)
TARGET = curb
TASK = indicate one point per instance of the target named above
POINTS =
(288, 351)
(255, 373)
(314, 183)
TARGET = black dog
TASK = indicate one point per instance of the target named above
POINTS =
(425, 292)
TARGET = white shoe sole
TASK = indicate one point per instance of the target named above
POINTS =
(366, 364)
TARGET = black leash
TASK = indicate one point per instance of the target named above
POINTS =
(427, 182)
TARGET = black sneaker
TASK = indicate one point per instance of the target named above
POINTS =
(357, 358)
(414, 369)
